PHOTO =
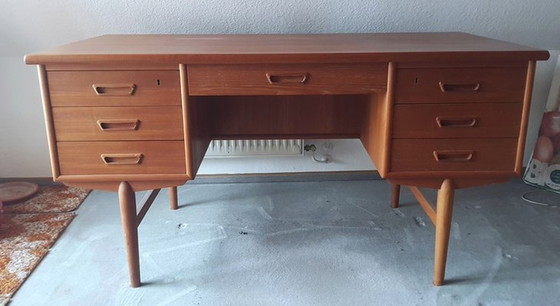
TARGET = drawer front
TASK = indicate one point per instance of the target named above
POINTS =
(114, 88)
(455, 85)
(453, 154)
(118, 123)
(482, 120)
(132, 157)
(286, 79)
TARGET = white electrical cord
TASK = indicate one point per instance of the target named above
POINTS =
(323, 158)
(326, 158)
(526, 199)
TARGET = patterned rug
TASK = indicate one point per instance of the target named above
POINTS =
(28, 229)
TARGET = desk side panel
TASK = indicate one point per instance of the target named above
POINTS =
(45, 95)
(525, 116)
(376, 130)
(195, 126)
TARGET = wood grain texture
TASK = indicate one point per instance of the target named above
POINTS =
(303, 79)
(458, 182)
(471, 85)
(281, 116)
(173, 200)
(145, 205)
(395, 195)
(127, 203)
(158, 157)
(120, 66)
(455, 120)
(129, 177)
(296, 48)
(113, 185)
(487, 155)
(85, 123)
(386, 121)
(49, 122)
(525, 116)
(376, 130)
(424, 203)
(437, 110)
(444, 212)
(151, 88)
(485, 177)
(196, 126)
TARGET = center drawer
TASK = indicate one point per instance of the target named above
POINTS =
(118, 123)
(288, 79)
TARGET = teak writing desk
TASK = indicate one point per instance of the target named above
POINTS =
(137, 112)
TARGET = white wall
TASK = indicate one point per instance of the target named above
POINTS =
(33, 25)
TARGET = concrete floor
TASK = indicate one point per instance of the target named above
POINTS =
(305, 243)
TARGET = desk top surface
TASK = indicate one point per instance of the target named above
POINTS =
(257, 48)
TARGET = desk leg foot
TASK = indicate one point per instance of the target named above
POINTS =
(173, 197)
(127, 203)
(444, 213)
(395, 194)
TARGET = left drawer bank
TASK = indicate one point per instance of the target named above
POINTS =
(115, 123)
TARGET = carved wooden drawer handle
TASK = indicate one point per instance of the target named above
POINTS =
(453, 156)
(456, 122)
(287, 78)
(118, 124)
(122, 159)
(444, 87)
(114, 89)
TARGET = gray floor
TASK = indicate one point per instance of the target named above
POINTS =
(305, 243)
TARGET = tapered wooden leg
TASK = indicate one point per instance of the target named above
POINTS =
(127, 203)
(395, 194)
(173, 197)
(444, 212)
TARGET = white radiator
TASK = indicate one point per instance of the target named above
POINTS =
(255, 147)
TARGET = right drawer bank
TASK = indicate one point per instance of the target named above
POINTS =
(457, 119)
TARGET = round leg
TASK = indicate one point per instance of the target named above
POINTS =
(173, 197)
(444, 213)
(395, 195)
(127, 203)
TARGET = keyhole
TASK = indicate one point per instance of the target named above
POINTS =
(158, 83)
(416, 81)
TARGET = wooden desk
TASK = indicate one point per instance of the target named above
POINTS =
(137, 112)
